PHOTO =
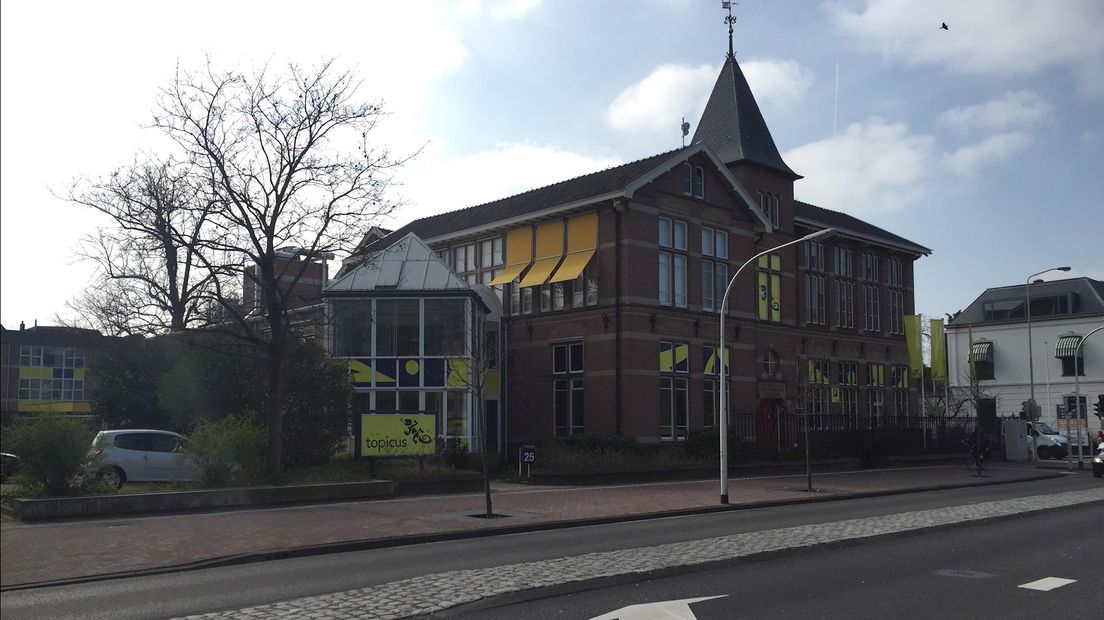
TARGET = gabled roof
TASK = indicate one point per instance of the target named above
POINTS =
(819, 217)
(406, 265)
(1090, 299)
(617, 182)
(733, 126)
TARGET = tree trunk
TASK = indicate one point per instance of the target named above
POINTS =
(274, 412)
(483, 452)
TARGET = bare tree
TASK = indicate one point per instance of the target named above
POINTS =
(290, 165)
(149, 276)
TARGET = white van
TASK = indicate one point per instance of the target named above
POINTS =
(1048, 443)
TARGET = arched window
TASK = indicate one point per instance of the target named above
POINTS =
(699, 182)
(686, 178)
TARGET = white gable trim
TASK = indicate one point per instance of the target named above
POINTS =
(684, 155)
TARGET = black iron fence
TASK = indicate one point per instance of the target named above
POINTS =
(869, 438)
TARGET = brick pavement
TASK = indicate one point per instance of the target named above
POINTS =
(66, 550)
(441, 591)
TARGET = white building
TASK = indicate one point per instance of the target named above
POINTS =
(992, 334)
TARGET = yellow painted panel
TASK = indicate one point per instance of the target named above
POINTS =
(397, 435)
(457, 373)
(550, 239)
(36, 372)
(509, 273)
(776, 262)
(682, 351)
(776, 294)
(572, 266)
(582, 232)
(666, 360)
(540, 271)
(58, 406)
(764, 262)
(78, 373)
(361, 372)
(492, 385)
(763, 295)
(519, 246)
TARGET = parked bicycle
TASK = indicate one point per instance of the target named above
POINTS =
(978, 453)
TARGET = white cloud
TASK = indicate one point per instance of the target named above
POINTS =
(670, 92)
(872, 166)
(1005, 37)
(512, 9)
(966, 160)
(660, 100)
(1013, 110)
(777, 83)
(434, 184)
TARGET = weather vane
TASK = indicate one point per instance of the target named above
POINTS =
(731, 19)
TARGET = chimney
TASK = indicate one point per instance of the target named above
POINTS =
(22, 326)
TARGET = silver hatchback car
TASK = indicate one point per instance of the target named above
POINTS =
(140, 455)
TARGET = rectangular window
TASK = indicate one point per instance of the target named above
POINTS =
(896, 312)
(664, 232)
(872, 309)
(445, 326)
(699, 182)
(870, 267)
(687, 182)
(769, 290)
(515, 298)
(680, 280)
(875, 405)
(567, 393)
(896, 272)
(398, 327)
(545, 298)
(710, 401)
(843, 262)
(768, 204)
(558, 296)
(665, 278)
(845, 304)
(984, 371)
(814, 300)
(673, 408)
(74, 358)
(1068, 366)
(352, 328)
(527, 300)
(680, 235)
(814, 256)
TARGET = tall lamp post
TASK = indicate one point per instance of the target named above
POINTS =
(1031, 358)
(1077, 400)
(724, 358)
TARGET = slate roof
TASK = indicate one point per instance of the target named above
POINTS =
(53, 335)
(572, 190)
(733, 126)
(1090, 295)
(811, 214)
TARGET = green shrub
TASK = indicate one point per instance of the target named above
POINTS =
(704, 445)
(52, 450)
(228, 451)
(452, 453)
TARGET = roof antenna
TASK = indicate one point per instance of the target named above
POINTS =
(685, 131)
(731, 19)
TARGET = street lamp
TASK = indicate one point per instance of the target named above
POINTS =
(1077, 400)
(1031, 358)
(723, 358)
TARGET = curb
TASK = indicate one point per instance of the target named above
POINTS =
(417, 539)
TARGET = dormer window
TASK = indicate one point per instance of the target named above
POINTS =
(768, 204)
(687, 182)
(699, 182)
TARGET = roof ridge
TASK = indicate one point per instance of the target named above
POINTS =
(538, 188)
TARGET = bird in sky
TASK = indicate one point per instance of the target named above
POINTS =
(944, 26)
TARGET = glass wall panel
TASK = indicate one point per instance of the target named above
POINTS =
(445, 324)
(397, 329)
(352, 328)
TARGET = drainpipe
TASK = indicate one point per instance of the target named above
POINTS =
(618, 212)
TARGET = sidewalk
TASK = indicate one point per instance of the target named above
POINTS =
(77, 549)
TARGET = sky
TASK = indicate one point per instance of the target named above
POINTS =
(983, 142)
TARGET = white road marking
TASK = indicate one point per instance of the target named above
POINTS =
(660, 610)
(1047, 584)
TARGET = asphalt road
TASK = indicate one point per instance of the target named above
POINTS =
(973, 571)
(219, 589)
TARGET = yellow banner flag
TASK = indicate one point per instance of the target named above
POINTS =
(912, 339)
(938, 351)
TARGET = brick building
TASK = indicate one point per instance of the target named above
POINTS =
(612, 285)
(44, 369)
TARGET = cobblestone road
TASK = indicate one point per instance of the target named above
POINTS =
(449, 589)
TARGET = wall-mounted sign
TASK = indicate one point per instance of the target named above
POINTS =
(396, 434)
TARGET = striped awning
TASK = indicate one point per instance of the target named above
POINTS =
(1066, 346)
(981, 352)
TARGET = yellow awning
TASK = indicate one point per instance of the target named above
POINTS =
(582, 241)
(550, 247)
(519, 254)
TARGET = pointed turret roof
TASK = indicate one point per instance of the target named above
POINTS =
(733, 126)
